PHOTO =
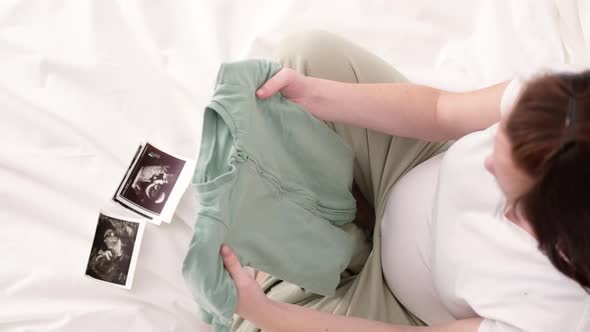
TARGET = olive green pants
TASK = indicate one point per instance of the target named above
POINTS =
(380, 161)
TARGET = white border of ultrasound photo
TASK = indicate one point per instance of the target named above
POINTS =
(175, 195)
(130, 273)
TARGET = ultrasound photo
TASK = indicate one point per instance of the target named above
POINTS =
(150, 181)
(114, 250)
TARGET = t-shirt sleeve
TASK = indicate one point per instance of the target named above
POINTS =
(585, 322)
(577, 320)
(511, 94)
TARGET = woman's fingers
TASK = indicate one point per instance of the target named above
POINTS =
(281, 79)
(250, 295)
(231, 263)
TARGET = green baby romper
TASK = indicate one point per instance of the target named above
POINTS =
(273, 183)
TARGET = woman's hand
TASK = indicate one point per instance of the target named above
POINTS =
(251, 298)
(291, 84)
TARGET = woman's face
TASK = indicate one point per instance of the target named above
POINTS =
(513, 182)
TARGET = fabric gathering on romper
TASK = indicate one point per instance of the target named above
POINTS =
(273, 183)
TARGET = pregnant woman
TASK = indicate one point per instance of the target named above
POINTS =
(482, 198)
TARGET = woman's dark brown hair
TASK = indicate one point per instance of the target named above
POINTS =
(549, 130)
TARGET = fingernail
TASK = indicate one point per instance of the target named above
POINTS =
(224, 250)
(260, 91)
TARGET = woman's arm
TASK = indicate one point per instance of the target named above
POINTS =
(402, 109)
(273, 316)
(283, 317)
(406, 109)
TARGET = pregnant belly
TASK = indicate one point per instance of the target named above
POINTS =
(407, 242)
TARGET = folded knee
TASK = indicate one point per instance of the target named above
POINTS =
(305, 46)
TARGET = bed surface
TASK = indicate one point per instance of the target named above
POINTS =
(83, 82)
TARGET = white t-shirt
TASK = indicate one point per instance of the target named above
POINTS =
(448, 252)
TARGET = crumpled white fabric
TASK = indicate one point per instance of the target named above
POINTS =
(83, 82)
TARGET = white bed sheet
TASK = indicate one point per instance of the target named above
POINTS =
(82, 82)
